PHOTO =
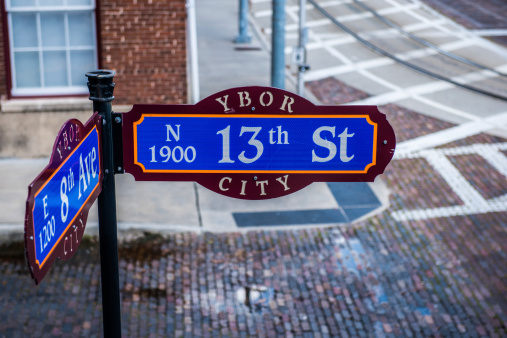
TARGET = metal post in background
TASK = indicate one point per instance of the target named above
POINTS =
(193, 51)
(101, 86)
(243, 36)
(301, 49)
(278, 45)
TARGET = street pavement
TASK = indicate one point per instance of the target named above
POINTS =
(430, 263)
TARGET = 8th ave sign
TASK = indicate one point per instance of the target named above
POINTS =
(256, 143)
(60, 197)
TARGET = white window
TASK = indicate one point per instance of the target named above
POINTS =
(52, 45)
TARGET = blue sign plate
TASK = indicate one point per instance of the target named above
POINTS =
(59, 199)
(260, 144)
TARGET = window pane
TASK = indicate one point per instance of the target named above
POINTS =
(51, 2)
(81, 62)
(51, 48)
(27, 69)
(55, 70)
(22, 3)
(52, 29)
(24, 30)
(81, 29)
(79, 2)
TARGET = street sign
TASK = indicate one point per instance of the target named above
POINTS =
(60, 197)
(249, 143)
(256, 143)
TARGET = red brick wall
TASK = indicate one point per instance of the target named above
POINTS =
(144, 41)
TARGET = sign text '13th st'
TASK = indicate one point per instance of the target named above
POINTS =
(256, 143)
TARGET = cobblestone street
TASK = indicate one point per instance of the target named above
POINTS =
(434, 263)
(437, 277)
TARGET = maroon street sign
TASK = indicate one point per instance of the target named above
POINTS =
(61, 196)
(256, 143)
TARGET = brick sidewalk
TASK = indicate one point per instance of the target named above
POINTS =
(380, 277)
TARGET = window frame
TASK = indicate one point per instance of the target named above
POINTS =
(47, 91)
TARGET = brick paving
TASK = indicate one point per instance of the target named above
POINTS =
(405, 179)
(408, 124)
(479, 138)
(332, 91)
(473, 14)
(379, 277)
(474, 167)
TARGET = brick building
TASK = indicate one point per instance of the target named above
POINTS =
(47, 46)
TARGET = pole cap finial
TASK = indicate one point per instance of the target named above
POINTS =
(101, 85)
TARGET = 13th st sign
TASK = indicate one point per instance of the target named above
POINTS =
(256, 143)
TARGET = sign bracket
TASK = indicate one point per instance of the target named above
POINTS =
(118, 143)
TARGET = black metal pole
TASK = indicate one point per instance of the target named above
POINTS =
(101, 86)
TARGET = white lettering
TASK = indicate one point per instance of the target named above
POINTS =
(187, 158)
(65, 246)
(285, 134)
(94, 168)
(271, 132)
(177, 154)
(243, 185)
(170, 130)
(59, 149)
(45, 203)
(253, 142)
(243, 98)
(317, 139)
(177, 159)
(221, 184)
(262, 183)
(261, 99)
(70, 179)
(226, 156)
(343, 146)
(289, 105)
(87, 166)
(284, 182)
(81, 176)
(165, 151)
(64, 210)
(224, 102)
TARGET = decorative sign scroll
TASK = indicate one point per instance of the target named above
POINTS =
(60, 197)
(256, 143)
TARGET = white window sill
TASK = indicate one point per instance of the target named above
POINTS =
(46, 105)
(53, 105)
